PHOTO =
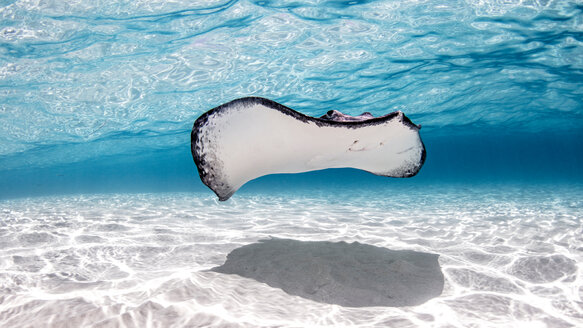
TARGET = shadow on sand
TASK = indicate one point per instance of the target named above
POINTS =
(354, 275)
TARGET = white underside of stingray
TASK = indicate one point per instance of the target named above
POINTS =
(251, 137)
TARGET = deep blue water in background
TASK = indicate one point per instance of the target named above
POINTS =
(101, 98)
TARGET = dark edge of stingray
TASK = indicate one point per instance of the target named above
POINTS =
(248, 101)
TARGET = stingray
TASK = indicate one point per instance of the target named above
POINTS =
(251, 137)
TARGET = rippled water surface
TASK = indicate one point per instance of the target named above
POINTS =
(133, 75)
(105, 223)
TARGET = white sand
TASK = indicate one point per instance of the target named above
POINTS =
(511, 257)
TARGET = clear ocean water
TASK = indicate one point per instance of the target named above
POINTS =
(104, 221)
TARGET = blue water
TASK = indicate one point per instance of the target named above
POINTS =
(90, 93)
(97, 100)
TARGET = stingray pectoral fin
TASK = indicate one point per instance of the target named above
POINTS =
(251, 137)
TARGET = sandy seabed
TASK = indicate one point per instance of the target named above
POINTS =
(511, 257)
